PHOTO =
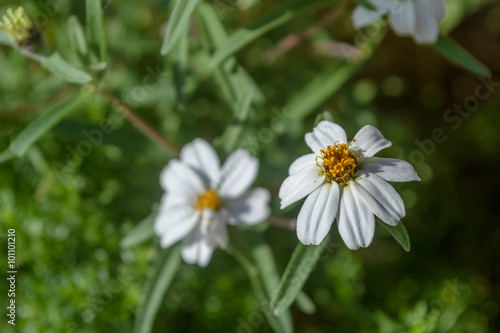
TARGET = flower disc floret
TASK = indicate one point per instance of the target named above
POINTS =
(209, 199)
(338, 163)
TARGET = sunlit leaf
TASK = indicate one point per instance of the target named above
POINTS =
(177, 23)
(60, 68)
(399, 233)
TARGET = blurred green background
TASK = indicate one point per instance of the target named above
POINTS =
(73, 276)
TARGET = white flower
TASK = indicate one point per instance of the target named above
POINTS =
(201, 197)
(416, 18)
(343, 180)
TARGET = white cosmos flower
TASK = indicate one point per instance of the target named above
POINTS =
(343, 180)
(416, 18)
(201, 196)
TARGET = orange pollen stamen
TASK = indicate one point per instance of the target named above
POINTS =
(339, 164)
(209, 199)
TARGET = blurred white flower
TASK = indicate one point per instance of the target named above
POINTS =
(416, 18)
(343, 180)
(201, 197)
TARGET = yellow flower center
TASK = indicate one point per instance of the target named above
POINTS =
(339, 164)
(209, 199)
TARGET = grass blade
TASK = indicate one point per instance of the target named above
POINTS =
(164, 271)
(459, 56)
(399, 233)
(77, 36)
(177, 23)
(305, 304)
(299, 267)
(42, 124)
(258, 28)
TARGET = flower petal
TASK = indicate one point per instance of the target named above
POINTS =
(317, 214)
(200, 155)
(217, 229)
(178, 178)
(301, 162)
(325, 134)
(390, 169)
(362, 17)
(438, 8)
(300, 184)
(197, 247)
(368, 141)
(174, 222)
(250, 208)
(403, 21)
(380, 197)
(356, 222)
(427, 31)
(237, 174)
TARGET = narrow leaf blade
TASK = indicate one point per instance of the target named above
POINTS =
(459, 56)
(163, 274)
(141, 233)
(95, 28)
(305, 304)
(177, 23)
(42, 124)
(76, 36)
(299, 267)
(60, 68)
(399, 233)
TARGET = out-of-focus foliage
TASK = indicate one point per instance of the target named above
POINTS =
(72, 209)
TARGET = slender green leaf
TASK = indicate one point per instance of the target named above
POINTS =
(95, 28)
(268, 273)
(6, 155)
(42, 124)
(399, 233)
(459, 56)
(320, 88)
(233, 131)
(60, 68)
(233, 80)
(254, 30)
(76, 36)
(179, 60)
(163, 273)
(367, 4)
(305, 304)
(299, 267)
(240, 249)
(177, 23)
(141, 233)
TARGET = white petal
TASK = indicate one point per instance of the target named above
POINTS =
(237, 174)
(390, 169)
(325, 134)
(179, 179)
(427, 31)
(174, 222)
(300, 184)
(301, 162)
(368, 141)
(200, 155)
(362, 17)
(356, 222)
(403, 21)
(251, 208)
(197, 247)
(217, 229)
(380, 197)
(438, 8)
(317, 214)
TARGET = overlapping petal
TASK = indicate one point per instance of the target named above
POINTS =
(317, 214)
(390, 169)
(301, 162)
(237, 174)
(404, 21)
(368, 141)
(300, 184)
(200, 155)
(250, 208)
(325, 134)
(355, 221)
(174, 222)
(179, 179)
(427, 29)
